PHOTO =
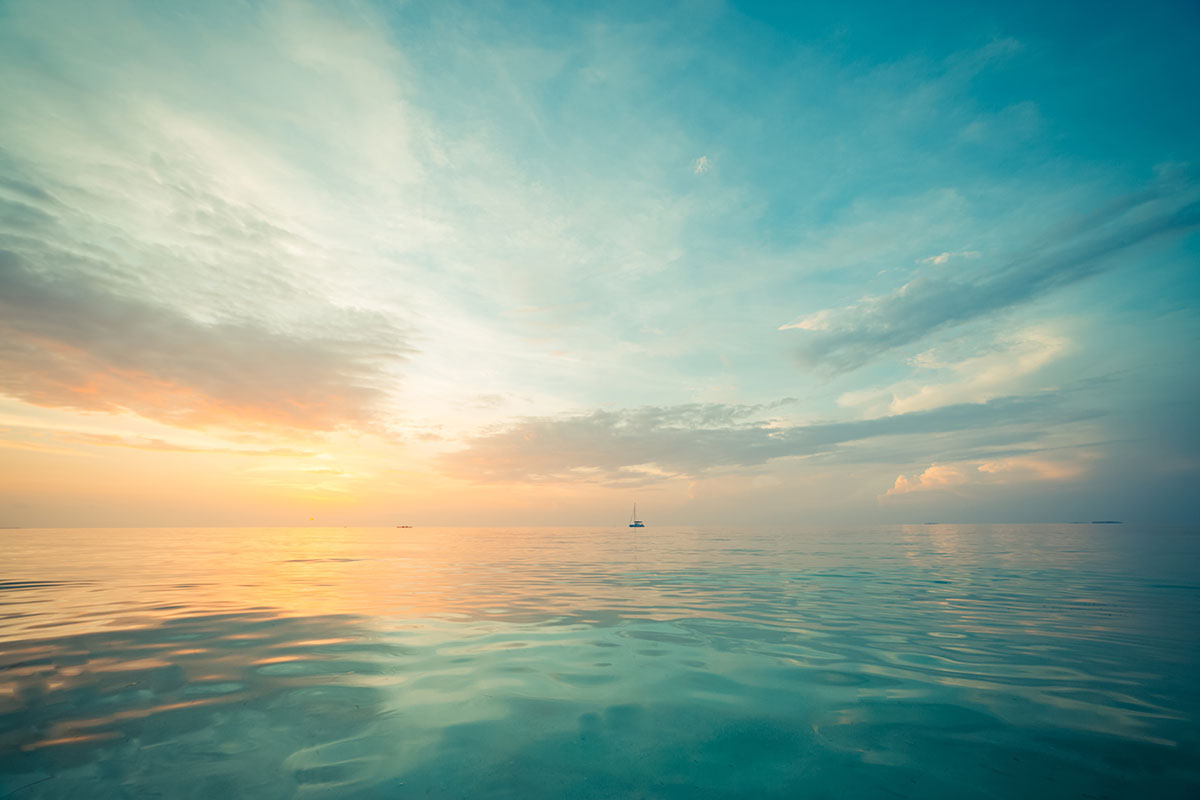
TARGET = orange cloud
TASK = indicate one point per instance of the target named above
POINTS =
(937, 477)
(1023, 468)
(997, 472)
(83, 345)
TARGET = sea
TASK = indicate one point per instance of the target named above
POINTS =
(912, 661)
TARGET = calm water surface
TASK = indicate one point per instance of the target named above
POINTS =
(930, 661)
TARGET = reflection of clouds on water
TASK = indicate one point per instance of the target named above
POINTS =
(549, 663)
(185, 707)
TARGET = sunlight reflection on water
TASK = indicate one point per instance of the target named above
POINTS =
(917, 661)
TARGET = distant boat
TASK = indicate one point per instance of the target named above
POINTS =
(634, 522)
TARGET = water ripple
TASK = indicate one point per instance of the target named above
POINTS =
(913, 662)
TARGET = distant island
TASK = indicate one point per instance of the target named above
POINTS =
(1073, 522)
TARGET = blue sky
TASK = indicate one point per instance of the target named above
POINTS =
(525, 263)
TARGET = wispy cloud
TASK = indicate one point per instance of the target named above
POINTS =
(68, 340)
(942, 258)
(620, 446)
(997, 369)
(187, 246)
(842, 339)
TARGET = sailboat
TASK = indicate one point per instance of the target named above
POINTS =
(634, 522)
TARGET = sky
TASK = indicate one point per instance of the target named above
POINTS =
(438, 263)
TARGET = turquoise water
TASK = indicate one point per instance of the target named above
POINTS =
(942, 661)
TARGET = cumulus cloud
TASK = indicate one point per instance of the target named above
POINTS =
(939, 477)
(68, 340)
(843, 339)
(646, 444)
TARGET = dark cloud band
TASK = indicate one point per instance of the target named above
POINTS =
(641, 445)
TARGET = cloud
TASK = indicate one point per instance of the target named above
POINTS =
(646, 444)
(1017, 123)
(68, 340)
(1021, 468)
(942, 258)
(937, 477)
(288, 160)
(190, 215)
(940, 477)
(843, 339)
(996, 370)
